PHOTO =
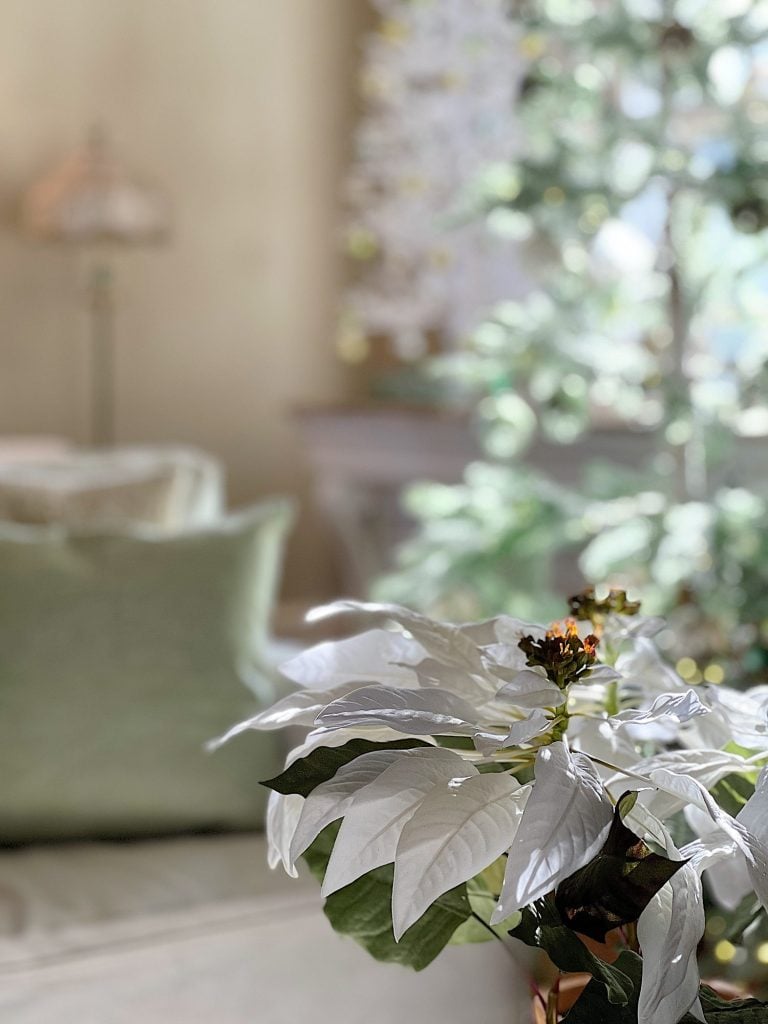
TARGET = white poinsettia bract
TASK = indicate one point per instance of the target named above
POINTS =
(493, 755)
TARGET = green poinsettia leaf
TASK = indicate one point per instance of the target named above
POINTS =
(483, 892)
(593, 1006)
(732, 793)
(745, 915)
(751, 1012)
(306, 773)
(731, 1011)
(363, 910)
(615, 887)
(543, 928)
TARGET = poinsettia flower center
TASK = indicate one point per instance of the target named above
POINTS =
(561, 652)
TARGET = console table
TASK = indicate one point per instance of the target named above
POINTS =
(361, 457)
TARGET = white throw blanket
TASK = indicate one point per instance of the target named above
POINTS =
(199, 931)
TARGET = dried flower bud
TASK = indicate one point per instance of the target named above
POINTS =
(586, 606)
(563, 655)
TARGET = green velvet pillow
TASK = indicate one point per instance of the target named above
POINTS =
(121, 654)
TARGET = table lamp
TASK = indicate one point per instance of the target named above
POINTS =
(92, 201)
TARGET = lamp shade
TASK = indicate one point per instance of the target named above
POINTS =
(91, 197)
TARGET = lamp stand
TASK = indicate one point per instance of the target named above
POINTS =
(101, 303)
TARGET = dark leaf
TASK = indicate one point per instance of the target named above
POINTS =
(322, 764)
(750, 1012)
(593, 1007)
(542, 927)
(733, 1011)
(616, 886)
(363, 910)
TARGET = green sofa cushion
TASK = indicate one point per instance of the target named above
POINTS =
(121, 654)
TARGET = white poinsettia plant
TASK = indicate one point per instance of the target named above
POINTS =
(462, 782)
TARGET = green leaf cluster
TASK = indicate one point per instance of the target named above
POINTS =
(362, 909)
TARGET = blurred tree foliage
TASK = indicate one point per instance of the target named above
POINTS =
(641, 204)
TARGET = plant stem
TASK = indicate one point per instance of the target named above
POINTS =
(621, 771)
(536, 993)
(560, 724)
(631, 936)
(494, 933)
(612, 705)
(552, 1002)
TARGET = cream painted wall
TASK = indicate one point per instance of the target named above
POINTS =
(241, 109)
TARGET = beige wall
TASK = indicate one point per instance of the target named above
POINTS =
(241, 109)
